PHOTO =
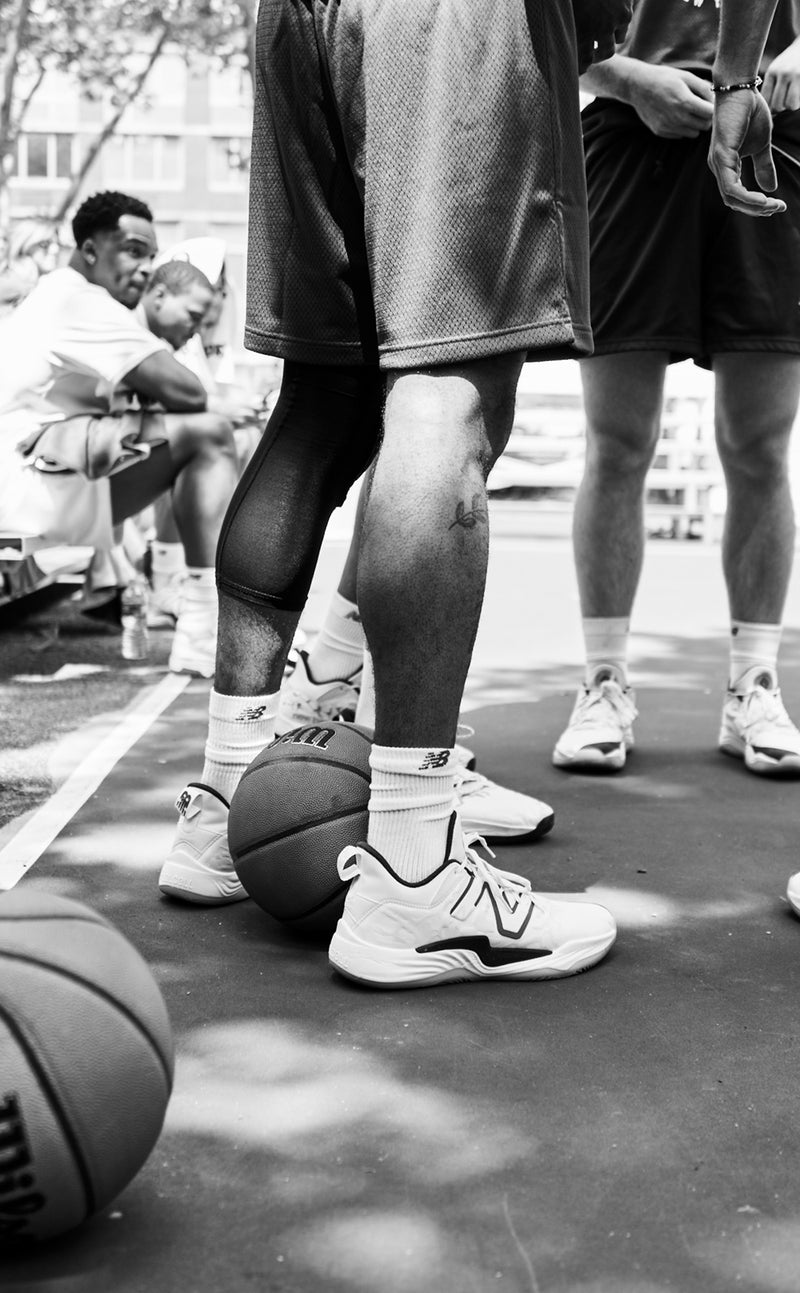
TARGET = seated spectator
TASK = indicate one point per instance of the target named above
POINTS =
(207, 350)
(32, 250)
(98, 418)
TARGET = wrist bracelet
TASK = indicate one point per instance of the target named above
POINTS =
(739, 85)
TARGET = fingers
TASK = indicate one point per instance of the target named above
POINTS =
(782, 92)
(699, 86)
(764, 168)
(733, 192)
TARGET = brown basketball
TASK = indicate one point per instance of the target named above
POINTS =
(86, 1063)
(301, 801)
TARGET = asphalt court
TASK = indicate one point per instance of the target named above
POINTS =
(629, 1130)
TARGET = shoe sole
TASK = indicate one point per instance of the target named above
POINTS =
(761, 766)
(191, 670)
(500, 834)
(586, 762)
(380, 967)
(181, 882)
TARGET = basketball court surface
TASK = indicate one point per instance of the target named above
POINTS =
(633, 1129)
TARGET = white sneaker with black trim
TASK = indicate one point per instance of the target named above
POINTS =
(467, 921)
(494, 811)
(600, 730)
(305, 701)
(755, 727)
(199, 868)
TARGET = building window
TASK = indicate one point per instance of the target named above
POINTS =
(45, 157)
(154, 161)
(228, 163)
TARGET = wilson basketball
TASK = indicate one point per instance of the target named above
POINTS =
(302, 800)
(86, 1063)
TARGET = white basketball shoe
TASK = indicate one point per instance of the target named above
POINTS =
(305, 701)
(199, 868)
(467, 921)
(755, 727)
(600, 730)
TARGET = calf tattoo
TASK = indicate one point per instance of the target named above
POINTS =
(476, 515)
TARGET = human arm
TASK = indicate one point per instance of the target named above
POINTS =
(742, 124)
(161, 379)
(599, 26)
(672, 102)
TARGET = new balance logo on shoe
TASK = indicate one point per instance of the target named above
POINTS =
(182, 802)
(318, 736)
(251, 714)
(435, 759)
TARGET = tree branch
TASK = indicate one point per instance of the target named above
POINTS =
(108, 130)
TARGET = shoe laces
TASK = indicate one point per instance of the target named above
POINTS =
(470, 782)
(504, 884)
(763, 707)
(609, 694)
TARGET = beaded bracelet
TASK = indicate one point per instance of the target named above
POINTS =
(740, 85)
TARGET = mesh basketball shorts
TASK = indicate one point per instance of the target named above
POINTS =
(672, 268)
(417, 186)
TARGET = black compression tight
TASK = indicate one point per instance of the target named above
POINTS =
(322, 435)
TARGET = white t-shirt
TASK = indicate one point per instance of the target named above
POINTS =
(66, 350)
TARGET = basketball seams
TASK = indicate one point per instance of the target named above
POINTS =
(54, 1103)
(97, 991)
(308, 824)
(305, 758)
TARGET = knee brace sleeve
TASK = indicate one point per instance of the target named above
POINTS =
(323, 433)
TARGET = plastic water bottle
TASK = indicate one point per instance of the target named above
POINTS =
(135, 644)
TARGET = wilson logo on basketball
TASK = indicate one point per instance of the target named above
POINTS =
(19, 1198)
(318, 736)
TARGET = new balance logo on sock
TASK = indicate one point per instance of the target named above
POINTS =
(251, 714)
(435, 759)
(182, 802)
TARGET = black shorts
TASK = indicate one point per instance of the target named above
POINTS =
(671, 267)
(417, 191)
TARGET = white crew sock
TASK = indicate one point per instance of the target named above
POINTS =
(365, 709)
(412, 799)
(238, 729)
(754, 649)
(336, 652)
(606, 643)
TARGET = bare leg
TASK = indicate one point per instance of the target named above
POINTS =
(622, 397)
(199, 463)
(756, 405)
(424, 544)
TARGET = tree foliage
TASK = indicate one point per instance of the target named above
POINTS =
(104, 46)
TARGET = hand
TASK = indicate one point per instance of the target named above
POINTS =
(599, 26)
(781, 88)
(671, 102)
(743, 128)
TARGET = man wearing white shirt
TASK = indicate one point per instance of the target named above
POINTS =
(98, 418)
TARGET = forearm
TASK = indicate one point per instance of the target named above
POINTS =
(614, 78)
(743, 29)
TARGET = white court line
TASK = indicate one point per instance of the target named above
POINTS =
(38, 833)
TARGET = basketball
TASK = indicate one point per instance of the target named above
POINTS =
(86, 1063)
(302, 800)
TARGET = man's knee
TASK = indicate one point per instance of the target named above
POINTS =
(193, 435)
